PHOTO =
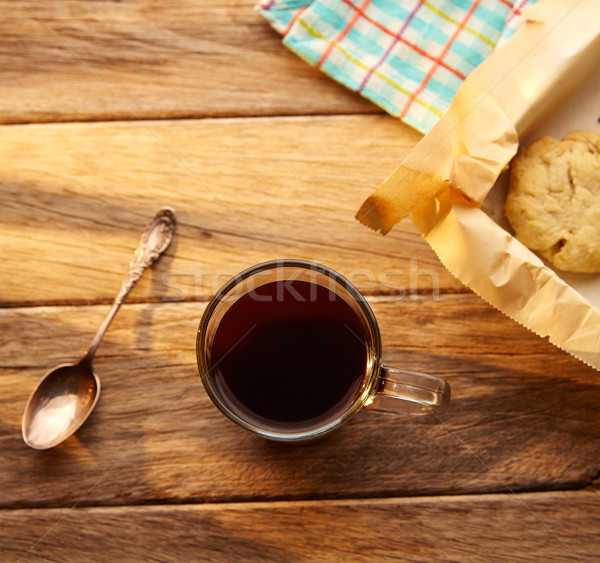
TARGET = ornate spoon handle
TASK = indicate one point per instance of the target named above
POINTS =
(154, 241)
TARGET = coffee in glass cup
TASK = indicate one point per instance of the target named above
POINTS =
(290, 350)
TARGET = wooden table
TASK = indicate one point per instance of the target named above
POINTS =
(111, 110)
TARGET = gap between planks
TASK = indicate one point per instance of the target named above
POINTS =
(192, 117)
(591, 489)
(371, 297)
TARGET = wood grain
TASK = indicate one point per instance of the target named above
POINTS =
(74, 199)
(157, 473)
(523, 415)
(143, 59)
(557, 527)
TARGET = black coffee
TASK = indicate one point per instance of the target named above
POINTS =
(289, 354)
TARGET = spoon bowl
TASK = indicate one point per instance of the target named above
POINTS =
(66, 395)
(60, 404)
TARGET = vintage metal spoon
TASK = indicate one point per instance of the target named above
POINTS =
(65, 396)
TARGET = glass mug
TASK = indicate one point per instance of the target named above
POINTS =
(290, 350)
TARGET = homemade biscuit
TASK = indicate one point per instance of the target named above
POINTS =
(553, 203)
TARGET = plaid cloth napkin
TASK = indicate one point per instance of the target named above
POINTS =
(408, 56)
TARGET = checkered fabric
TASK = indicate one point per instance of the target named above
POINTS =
(408, 56)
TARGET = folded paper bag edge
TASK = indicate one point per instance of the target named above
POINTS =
(507, 275)
(458, 152)
(403, 191)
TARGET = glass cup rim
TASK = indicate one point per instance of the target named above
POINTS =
(373, 352)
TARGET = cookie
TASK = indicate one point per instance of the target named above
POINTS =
(553, 202)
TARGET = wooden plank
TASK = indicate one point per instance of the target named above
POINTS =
(142, 59)
(556, 526)
(74, 199)
(523, 414)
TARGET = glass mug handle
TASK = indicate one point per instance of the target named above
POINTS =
(409, 392)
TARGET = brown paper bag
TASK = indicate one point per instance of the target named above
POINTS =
(523, 89)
